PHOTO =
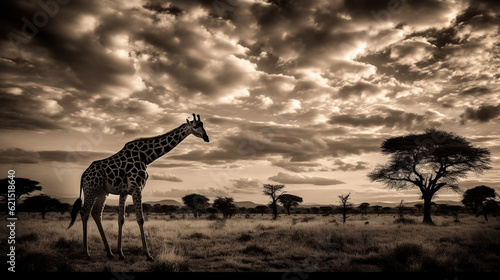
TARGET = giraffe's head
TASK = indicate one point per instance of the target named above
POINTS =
(196, 128)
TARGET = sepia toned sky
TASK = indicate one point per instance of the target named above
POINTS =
(300, 93)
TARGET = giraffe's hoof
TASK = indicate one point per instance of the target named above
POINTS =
(149, 258)
(111, 256)
(122, 257)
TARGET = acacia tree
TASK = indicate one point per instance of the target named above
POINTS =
(41, 203)
(225, 205)
(289, 200)
(196, 203)
(477, 198)
(23, 186)
(364, 207)
(430, 161)
(274, 192)
(344, 205)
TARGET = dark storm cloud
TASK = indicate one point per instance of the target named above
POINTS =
(91, 67)
(385, 117)
(483, 113)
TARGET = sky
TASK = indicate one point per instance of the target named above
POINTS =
(300, 93)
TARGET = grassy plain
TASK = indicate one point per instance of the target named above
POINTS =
(300, 242)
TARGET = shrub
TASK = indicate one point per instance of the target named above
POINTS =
(244, 237)
(255, 250)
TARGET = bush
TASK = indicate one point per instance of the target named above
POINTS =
(255, 250)
(244, 237)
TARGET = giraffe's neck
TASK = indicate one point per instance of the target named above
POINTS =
(155, 147)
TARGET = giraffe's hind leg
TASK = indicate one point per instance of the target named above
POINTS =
(97, 215)
(137, 196)
(121, 221)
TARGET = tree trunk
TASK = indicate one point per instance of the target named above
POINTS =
(427, 210)
(344, 214)
(485, 214)
(275, 210)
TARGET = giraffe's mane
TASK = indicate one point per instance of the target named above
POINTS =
(155, 137)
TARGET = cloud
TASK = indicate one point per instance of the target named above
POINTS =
(482, 114)
(411, 51)
(385, 117)
(16, 155)
(286, 178)
(342, 166)
(164, 177)
(358, 89)
(246, 183)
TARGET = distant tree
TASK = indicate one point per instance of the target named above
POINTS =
(363, 207)
(261, 209)
(386, 209)
(377, 209)
(289, 200)
(62, 208)
(430, 161)
(197, 203)
(326, 210)
(225, 205)
(41, 203)
(147, 208)
(23, 186)
(315, 210)
(169, 209)
(477, 197)
(344, 205)
(419, 207)
(274, 192)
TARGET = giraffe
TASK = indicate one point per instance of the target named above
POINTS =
(123, 174)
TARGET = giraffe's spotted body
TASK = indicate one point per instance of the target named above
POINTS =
(124, 173)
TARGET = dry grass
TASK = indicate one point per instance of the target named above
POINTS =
(292, 243)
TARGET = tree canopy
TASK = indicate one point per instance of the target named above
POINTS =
(23, 186)
(289, 200)
(41, 203)
(225, 205)
(477, 198)
(196, 203)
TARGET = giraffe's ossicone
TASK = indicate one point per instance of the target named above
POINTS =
(123, 174)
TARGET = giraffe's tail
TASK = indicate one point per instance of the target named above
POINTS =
(77, 206)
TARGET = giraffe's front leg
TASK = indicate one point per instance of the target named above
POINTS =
(137, 196)
(121, 221)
